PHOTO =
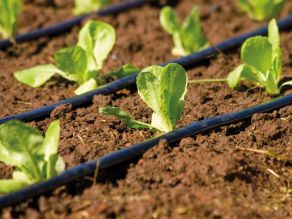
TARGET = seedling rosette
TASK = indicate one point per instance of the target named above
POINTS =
(81, 63)
(34, 157)
(163, 90)
(188, 37)
(262, 63)
(9, 11)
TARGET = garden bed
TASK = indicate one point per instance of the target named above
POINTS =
(205, 176)
(209, 168)
(142, 47)
(215, 174)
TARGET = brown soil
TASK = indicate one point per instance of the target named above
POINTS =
(43, 13)
(205, 176)
(138, 42)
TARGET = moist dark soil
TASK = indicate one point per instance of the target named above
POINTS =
(37, 14)
(210, 175)
(140, 41)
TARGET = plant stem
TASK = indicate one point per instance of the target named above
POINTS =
(216, 80)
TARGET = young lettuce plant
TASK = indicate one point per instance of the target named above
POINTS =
(163, 90)
(87, 6)
(9, 11)
(80, 63)
(188, 37)
(262, 63)
(261, 9)
(34, 157)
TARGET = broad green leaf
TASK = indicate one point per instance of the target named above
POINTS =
(19, 180)
(50, 145)
(262, 9)
(163, 90)
(125, 70)
(257, 52)
(274, 36)
(173, 90)
(11, 185)
(168, 20)
(234, 76)
(131, 123)
(86, 87)
(97, 39)
(9, 10)
(243, 72)
(191, 34)
(21, 146)
(148, 83)
(87, 6)
(36, 76)
(73, 61)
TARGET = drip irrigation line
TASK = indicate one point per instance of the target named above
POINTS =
(136, 150)
(186, 61)
(68, 24)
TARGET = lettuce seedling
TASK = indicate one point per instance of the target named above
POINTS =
(261, 9)
(188, 37)
(262, 58)
(87, 6)
(80, 63)
(163, 90)
(34, 157)
(9, 11)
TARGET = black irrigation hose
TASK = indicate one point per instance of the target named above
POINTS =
(136, 150)
(186, 61)
(68, 24)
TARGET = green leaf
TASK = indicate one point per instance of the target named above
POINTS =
(234, 76)
(124, 71)
(21, 146)
(34, 158)
(188, 37)
(86, 6)
(261, 9)
(73, 61)
(86, 87)
(163, 90)
(244, 72)
(36, 76)
(9, 11)
(11, 185)
(257, 52)
(50, 145)
(274, 36)
(168, 20)
(97, 39)
(191, 34)
(131, 123)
